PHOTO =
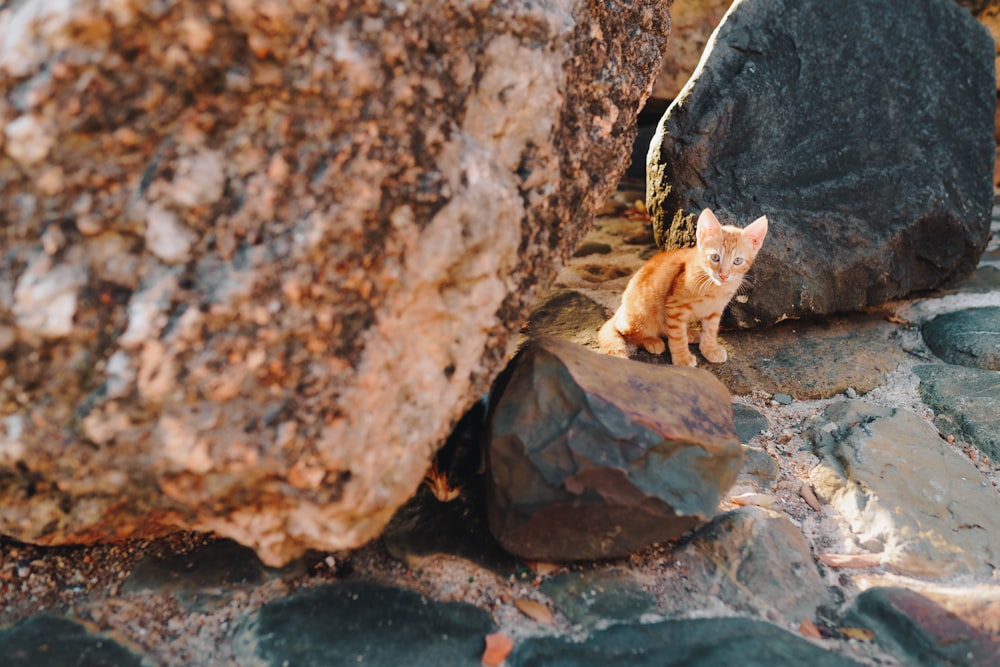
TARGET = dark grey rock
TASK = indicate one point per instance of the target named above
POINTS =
(721, 642)
(206, 577)
(749, 422)
(362, 623)
(46, 640)
(755, 560)
(967, 403)
(806, 359)
(904, 492)
(919, 631)
(966, 337)
(593, 457)
(875, 170)
(759, 469)
(593, 598)
(784, 399)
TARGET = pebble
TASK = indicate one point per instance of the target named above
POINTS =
(783, 399)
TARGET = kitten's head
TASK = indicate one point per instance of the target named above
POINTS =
(728, 252)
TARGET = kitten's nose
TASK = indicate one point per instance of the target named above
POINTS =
(723, 276)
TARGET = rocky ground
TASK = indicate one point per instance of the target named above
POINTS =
(863, 528)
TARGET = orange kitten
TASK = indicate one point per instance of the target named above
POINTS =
(684, 285)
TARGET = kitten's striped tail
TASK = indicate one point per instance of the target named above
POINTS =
(610, 341)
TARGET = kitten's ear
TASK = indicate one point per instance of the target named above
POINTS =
(708, 226)
(755, 232)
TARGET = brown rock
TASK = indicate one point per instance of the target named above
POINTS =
(258, 258)
(591, 456)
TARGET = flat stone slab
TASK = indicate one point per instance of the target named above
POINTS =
(905, 492)
(966, 337)
(810, 360)
(361, 623)
(47, 640)
(755, 560)
(920, 632)
(721, 642)
(598, 597)
(967, 403)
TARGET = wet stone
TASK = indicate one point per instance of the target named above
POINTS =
(206, 577)
(721, 642)
(919, 631)
(967, 403)
(966, 337)
(46, 640)
(756, 560)
(362, 623)
(598, 598)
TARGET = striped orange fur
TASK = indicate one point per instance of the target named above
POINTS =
(678, 287)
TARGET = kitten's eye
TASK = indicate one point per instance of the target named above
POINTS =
(737, 261)
(714, 258)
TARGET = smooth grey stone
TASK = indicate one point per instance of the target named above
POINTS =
(47, 640)
(967, 403)
(595, 597)
(361, 623)
(966, 337)
(755, 560)
(715, 642)
(919, 631)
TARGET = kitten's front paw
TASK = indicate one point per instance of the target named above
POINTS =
(716, 354)
(684, 360)
(654, 345)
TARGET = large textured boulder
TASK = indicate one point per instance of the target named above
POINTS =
(863, 130)
(592, 456)
(258, 257)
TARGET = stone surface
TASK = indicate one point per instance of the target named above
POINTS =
(599, 599)
(967, 402)
(755, 560)
(258, 259)
(806, 359)
(872, 193)
(53, 641)
(921, 632)
(566, 314)
(749, 422)
(592, 456)
(362, 623)
(703, 642)
(966, 337)
(904, 492)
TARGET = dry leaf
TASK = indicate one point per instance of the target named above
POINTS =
(535, 610)
(808, 629)
(498, 647)
(542, 568)
(806, 493)
(861, 634)
(757, 499)
(850, 560)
